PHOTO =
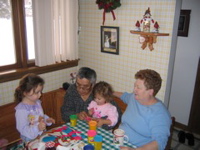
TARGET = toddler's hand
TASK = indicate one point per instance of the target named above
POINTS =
(42, 125)
(100, 122)
(91, 111)
(50, 120)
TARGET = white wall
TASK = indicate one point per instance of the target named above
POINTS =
(185, 69)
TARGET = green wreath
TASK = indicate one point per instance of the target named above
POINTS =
(108, 5)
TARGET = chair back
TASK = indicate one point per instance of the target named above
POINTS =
(168, 146)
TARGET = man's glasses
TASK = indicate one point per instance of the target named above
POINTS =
(83, 87)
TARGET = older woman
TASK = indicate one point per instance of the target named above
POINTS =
(146, 120)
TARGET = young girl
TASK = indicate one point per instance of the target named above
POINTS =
(30, 118)
(101, 109)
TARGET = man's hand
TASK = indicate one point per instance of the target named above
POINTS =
(82, 115)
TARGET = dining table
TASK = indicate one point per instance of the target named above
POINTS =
(66, 137)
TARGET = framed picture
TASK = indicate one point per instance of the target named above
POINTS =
(110, 39)
(184, 21)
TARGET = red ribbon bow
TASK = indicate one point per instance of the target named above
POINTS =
(105, 10)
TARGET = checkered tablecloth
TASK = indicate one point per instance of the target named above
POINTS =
(107, 144)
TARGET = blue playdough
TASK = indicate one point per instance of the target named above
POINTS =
(48, 138)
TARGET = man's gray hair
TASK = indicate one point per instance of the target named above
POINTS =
(87, 73)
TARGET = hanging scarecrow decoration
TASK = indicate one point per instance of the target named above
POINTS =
(108, 6)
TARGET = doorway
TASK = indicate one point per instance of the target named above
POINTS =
(194, 120)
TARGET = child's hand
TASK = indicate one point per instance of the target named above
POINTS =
(91, 111)
(41, 125)
(50, 120)
(40, 118)
(100, 121)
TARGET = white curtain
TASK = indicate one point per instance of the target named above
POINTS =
(55, 31)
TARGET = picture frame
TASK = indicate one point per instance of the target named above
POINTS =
(110, 39)
(184, 21)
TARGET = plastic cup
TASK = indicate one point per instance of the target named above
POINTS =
(91, 134)
(88, 147)
(92, 125)
(98, 142)
(73, 120)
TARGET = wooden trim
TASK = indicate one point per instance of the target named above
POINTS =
(194, 122)
(17, 74)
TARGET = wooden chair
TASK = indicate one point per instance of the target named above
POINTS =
(122, 106)
(168, 146)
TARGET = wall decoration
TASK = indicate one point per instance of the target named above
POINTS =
(137, 25)
(108, 6)
(148, 36)
(156, 26)
(184, 21)
(110, 39)
(147, 20)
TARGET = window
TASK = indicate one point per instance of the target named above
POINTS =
(53, 40)
(29, 29)
(14, 21)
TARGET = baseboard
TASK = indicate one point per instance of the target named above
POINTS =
(179, 126)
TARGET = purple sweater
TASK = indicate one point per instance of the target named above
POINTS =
(27, 120)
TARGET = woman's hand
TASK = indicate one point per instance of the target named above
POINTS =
(126, 148)
(50, 120)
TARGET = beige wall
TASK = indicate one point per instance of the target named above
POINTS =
(119, 69)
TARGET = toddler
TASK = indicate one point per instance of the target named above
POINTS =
(30, 118)
(100, 108)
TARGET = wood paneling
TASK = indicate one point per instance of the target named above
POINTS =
(51, 103)
(7, 122)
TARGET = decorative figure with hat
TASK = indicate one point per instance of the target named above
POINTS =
(147, 21)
